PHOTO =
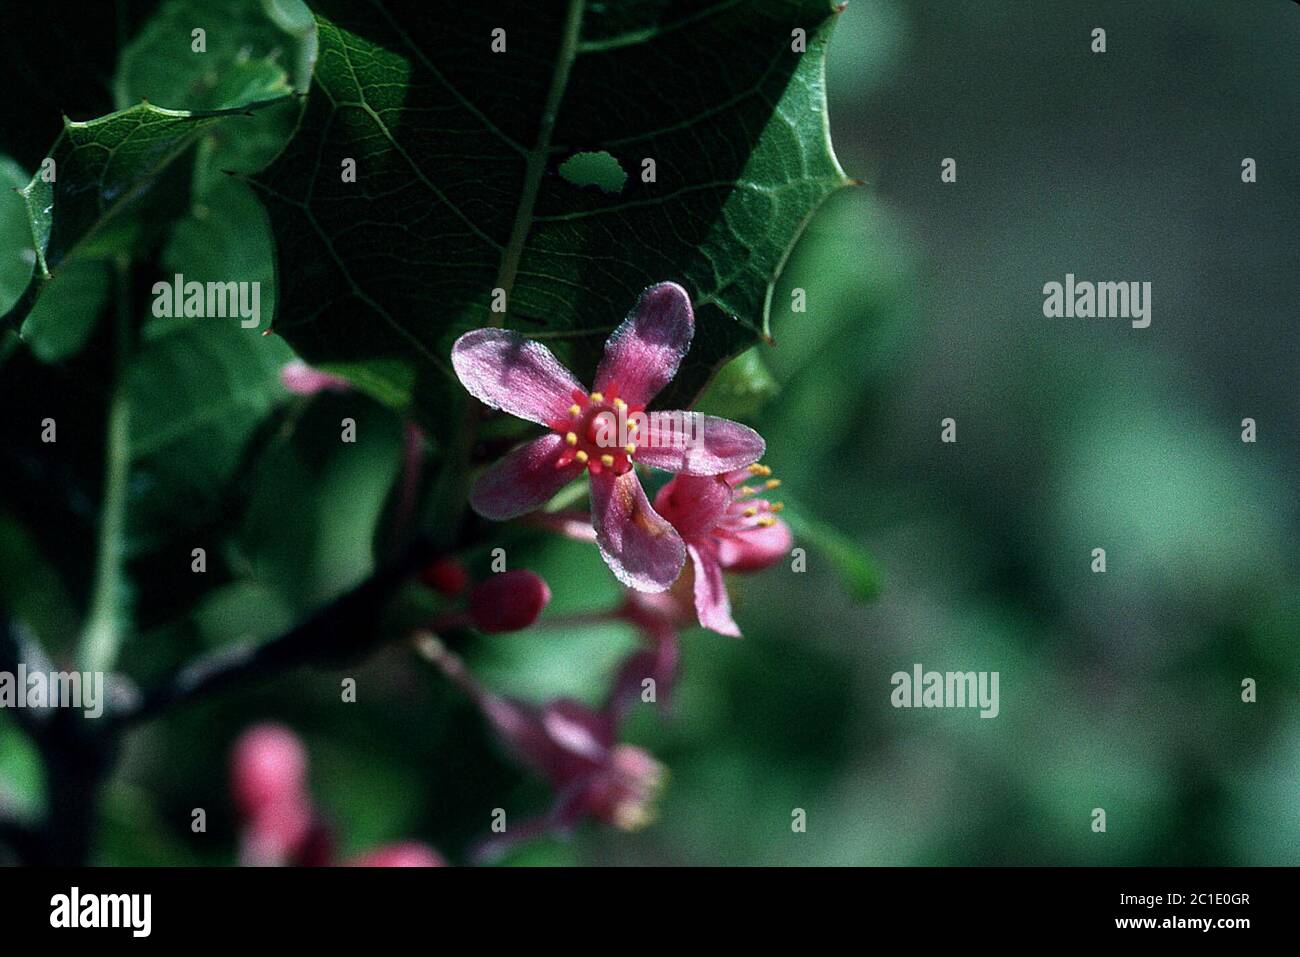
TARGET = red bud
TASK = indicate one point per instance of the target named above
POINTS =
(446, 576)
(509, 601)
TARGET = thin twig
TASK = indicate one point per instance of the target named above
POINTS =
(342, 630)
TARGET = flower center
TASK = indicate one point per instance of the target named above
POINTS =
(599, 432)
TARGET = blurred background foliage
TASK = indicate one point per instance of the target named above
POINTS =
(1119, 691)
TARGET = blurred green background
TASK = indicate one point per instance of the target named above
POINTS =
(1120, 691)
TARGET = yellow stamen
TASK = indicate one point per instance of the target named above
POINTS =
(575, 409)
(757, 469)
(776, 506)
(773, 483)
(620, 404)
(767, 521)
(581, 457)
(571, 438)
(607, 461)
(597, 397)
(630, 448)
(750, 512)
(746, 490)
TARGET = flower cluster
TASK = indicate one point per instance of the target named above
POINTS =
(713, 515)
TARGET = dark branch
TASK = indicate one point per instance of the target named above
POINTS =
(341, 631)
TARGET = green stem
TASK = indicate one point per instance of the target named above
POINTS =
(106, 620)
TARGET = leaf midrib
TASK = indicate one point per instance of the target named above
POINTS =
(535, 165)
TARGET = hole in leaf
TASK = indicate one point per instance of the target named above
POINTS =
(594, 169)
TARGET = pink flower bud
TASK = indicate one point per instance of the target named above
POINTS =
(508, 601)
(403, 854)
(276, 832)
(447, 576)
(268, 767)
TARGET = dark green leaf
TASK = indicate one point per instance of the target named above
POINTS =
(199, 387)
(458, 187)
(250, 57)
(16, 255)
(113, 179)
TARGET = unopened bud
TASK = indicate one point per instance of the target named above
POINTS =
(447, 576)
(268, 767)
(508, 601)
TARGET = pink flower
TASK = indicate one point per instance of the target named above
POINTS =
(403, 854)
(600, 432)
(268, 765)
(301, 379)
(575, 747)
(724, 527)
(268, 781)
(280, 825)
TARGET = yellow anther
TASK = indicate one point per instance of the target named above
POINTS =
(571, 438)
(773, 483)
(746, 490)
(575, 409)
(607, 461)
(776, 506)
(597, 397)
(757, 469)
(620, 404)
(767, 521)
(581, 457)
(630, 448)
(750, 512)
(633, 426)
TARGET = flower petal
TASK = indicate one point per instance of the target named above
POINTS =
(522, 481)
(691, 443)
(643, 353)
(641, 549)
(755, 548)
(301, 379)
(503, 369)
(694, 503)
(578, 730)
(711, 602)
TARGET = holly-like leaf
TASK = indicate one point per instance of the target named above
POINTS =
(112, 181)
(461, 121)
(250, 55)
